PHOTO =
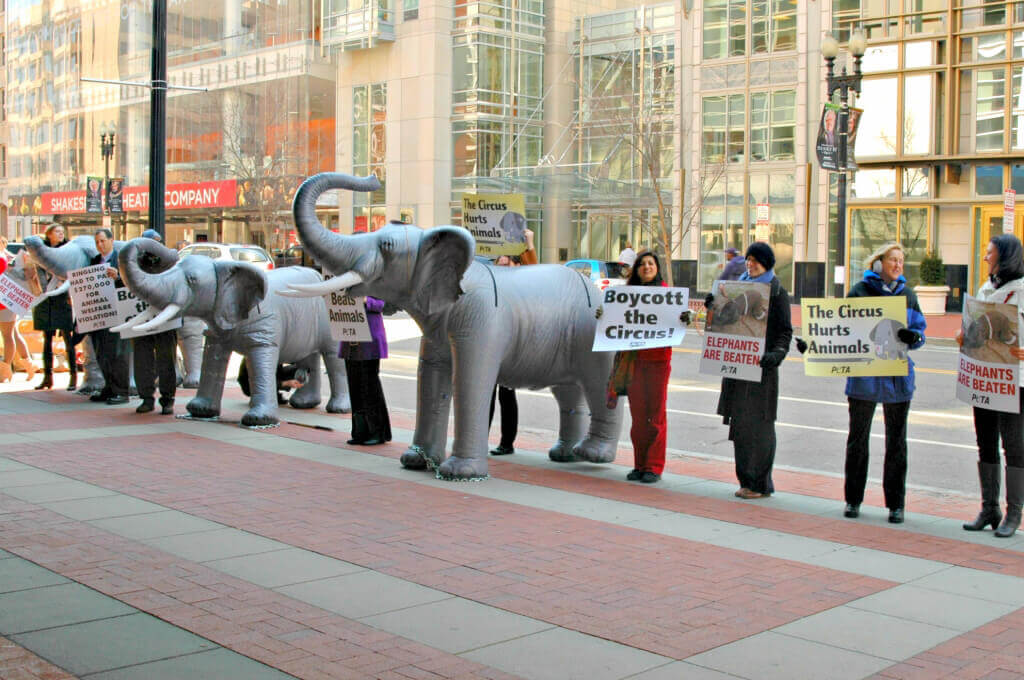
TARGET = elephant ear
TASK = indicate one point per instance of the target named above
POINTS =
(444, 255)
(240, 287)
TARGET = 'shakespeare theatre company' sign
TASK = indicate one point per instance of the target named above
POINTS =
(217, 194)
(854, 336)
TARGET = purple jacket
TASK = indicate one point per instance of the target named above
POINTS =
(374, 349)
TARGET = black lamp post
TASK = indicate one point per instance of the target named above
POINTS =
(107, 151)
(844, 83)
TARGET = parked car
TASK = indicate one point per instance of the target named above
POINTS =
(602, 273)
(231, 251)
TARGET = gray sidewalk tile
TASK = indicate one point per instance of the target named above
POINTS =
(456, 625)
(19, 574)
(60, 605)
(690, 527)
(6, 464)
(63, 490)
(28, 476)
(682, 670)
(771, 656)
(930, 606)
(217, 663)
(4, 555)
(879, 635)
(155, 524)
(284, 567)
(877, 564)
(978, 584)
(777, 544)
(98, 432)
(214, 545)
(365, 593)
(561, 654)
(117, 505)
(126, 641)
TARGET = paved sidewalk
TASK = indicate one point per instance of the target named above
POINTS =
(147, 547)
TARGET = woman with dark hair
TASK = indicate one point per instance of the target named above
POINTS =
(647, 389)
(1005, 285)
(750, 408)
(53, 315)
(370, 422)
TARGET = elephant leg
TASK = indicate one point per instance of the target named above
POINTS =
(206, 403)
(602, 438)
(94, 381)
(433, 402)
(190, 341)
(262, 363)
(573, 413)
(339, 401)
(474, 377)
(308, 396)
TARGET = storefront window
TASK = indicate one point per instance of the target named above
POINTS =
(869, 229)
(917, 114)
(988, 180)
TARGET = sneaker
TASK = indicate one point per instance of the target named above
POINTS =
(852, 511)
(502, 450)
(650, 478)
(896, 516)
(634, 475)
(146, 406)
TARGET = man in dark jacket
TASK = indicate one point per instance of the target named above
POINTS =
(153, 357)
(734, 266)
(111, 350)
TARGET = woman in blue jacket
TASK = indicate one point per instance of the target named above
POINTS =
(884, 276)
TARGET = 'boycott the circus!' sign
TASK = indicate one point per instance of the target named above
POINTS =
(640, 317)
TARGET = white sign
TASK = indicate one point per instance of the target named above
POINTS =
(989, 375)
(347, 316)
(641, 317)
(761, 229)
(93, 298)
(734, 338)
(14, 297)
(129, 306)
(1009, 208)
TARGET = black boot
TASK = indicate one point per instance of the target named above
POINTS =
(988, 474)
(47, 381)
(1014, 500)
(73, 378)
(360, 430)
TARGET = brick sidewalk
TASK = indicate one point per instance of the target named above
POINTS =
(543, 563)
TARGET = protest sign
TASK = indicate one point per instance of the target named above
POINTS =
(854, 336)
(989, 376)
(641, 317)
(129, 306)
(736, 326)
(497, 222)
(93, 298)
(14, 297)
(347, 316)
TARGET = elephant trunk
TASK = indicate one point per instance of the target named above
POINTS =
(335, 252)
(145, 267)
(59, 261)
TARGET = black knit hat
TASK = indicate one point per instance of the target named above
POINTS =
(763, 253)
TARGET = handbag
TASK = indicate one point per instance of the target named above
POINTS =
(622, 374)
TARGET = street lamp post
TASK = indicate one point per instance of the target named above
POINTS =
(844, 83)
(107, 151)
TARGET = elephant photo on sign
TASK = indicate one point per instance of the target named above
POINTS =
(529, 327)
(236, 301)
(989, 334)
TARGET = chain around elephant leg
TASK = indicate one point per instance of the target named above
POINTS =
(456, 469)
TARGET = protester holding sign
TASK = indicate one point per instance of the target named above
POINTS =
(750, 408)
(883, 276)
(53, 315)
(1005, 285)
(16, 354)
(370, 422)
(153, 357)
(643, 376)
(111, 350)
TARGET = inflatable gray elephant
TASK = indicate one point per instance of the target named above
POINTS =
(190, 342)
(75, 254)
(235, 301)
(887, 344)
(521, 327)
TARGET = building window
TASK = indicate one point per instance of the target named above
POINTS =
(369, 151)
(3, 161)
(772, 27)
(871, 227)
(772, 127)
(988, 180)
(410, 10)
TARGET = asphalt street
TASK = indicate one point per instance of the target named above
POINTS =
(812, 421)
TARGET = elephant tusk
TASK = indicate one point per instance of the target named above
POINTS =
(165, 315)
(345, 281)
(135, 321)
(59, 290)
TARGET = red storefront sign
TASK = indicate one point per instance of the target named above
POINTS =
(218, 194)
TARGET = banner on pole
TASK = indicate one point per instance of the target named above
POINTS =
(989, 376)
(734, 338)
(94, 194)
(641, 317)
(854, 336)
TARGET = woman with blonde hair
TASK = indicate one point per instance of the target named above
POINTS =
(16, 354)
(883, 276)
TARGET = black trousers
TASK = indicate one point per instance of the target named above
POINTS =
(894, 473)
(991, 426)
(509, 414)
(48, 350)
(112, 356)
(753, 445)
(369, 409)
(153, 358)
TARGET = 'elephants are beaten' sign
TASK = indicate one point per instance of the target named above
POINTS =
(14, 297)
(854, 336)
(641, 317)
(989, 375)
(737, 323)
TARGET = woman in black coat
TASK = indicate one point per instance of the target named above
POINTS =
(750, 408)
(52, 316)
